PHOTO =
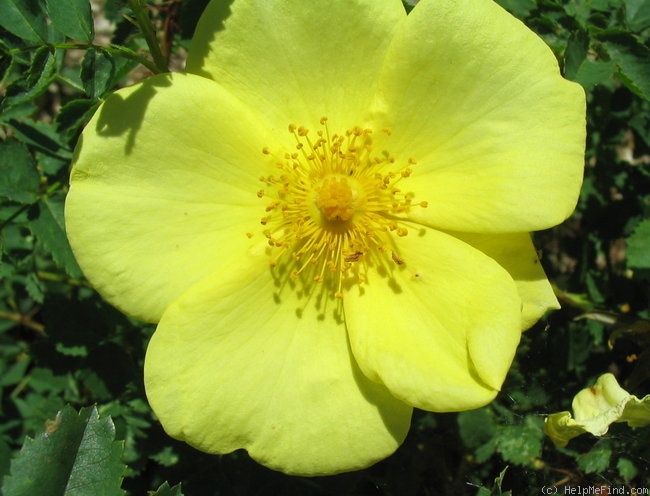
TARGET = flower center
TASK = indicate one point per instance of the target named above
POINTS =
(335, 207)
(335, 199)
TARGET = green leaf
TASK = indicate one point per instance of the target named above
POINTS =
(166, 457)
(408, 6)
(519, 8)
(165, 490)
(632, 61)
(24, 18)
(5, 457)
(476, 427)
(42, 72)
(496, 489)
(591, 73)
(15, 373)
(73, 18)
(6, 62)
(521, 444)
(637, 14)
(19, 178)
(74, 115)
(482, 454)
(26, 110)
(40, 136)
(596, 459)
(77, 455)
(49, 229)
(34, 288)
(638, 246)
(626, 468)
(575, 53)
(97, 72)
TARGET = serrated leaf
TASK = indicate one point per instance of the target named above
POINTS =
(40, 75)
(597, 459)
(520, 444)
(77, 455)
(626, 468)
(97, 71)
(74, 115)
(165, 490)
(24, 18)
(632, 61)
(34, 289)
(476, 427)
(166, 457)
(638, 246)
(40, 136)
(483, 453)
(594, 72)
(73, 18)
(49, 230)
(18, 112)
(19, 178)
(43, 380)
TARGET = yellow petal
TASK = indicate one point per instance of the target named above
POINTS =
(162, 194)
(595, 408)
(244, 361)
(516, 253)
(297, 61)
(440, 329)
(477, 99)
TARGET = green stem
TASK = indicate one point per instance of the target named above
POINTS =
(49, 276)
(127, 52)
(146, 28)
(122, 50)
(579, 301)
(24, 320)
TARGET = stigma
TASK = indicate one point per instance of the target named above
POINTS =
(334, 206)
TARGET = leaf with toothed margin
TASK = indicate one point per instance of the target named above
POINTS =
(76, 455)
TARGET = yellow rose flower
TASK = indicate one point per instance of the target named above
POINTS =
(328, 217)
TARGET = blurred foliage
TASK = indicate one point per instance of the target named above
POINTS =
(60, 344)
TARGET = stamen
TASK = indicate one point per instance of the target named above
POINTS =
(335, 209)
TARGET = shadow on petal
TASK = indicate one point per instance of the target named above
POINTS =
(121, 115)
(211, 22)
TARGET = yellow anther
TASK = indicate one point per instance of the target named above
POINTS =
(335, 206)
